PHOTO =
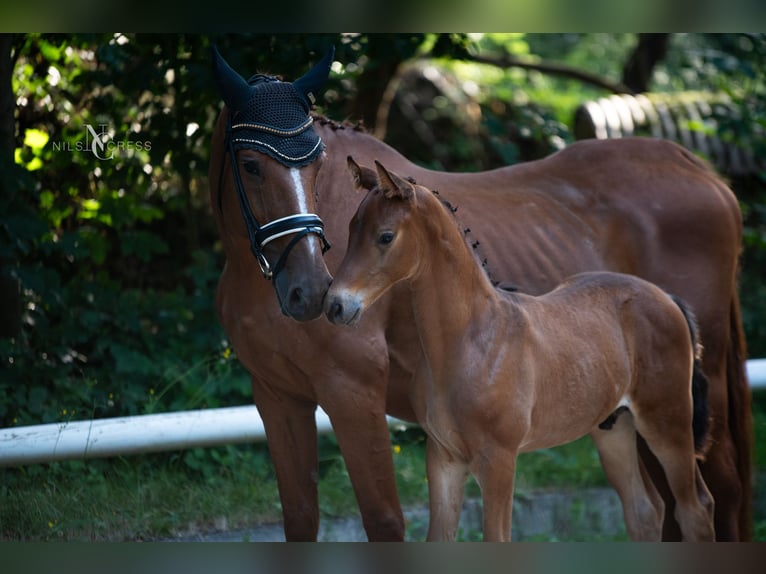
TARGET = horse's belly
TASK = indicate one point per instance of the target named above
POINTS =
(552, 437)
(575, 409)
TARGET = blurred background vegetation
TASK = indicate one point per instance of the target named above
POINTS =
(108, 268)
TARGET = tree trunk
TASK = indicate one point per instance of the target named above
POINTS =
(6, 98)
(649, 51)
(10, 296)
(384, 61)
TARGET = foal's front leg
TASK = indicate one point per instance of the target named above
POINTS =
(495, 472)
(446, 482)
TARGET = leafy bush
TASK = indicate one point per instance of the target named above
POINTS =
(118, 314)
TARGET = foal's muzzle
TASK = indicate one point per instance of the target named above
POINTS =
(342, 307)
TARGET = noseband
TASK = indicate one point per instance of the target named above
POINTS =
(298, 225)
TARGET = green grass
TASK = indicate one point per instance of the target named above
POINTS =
(137, 498)
(161, 496)
(175, 494)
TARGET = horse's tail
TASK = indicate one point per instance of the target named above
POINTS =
(738, 394)
(740, 413)
(701, 417)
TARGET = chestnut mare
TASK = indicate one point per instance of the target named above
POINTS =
(638, 206)
(505, 373)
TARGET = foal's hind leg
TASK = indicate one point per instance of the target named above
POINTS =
(641, 503)
(672, 443)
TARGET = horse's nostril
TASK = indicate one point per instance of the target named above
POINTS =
(296, 295)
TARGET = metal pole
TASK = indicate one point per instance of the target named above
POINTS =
(136, 434)
(756, 373)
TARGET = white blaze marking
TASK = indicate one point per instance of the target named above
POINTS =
(300, 194)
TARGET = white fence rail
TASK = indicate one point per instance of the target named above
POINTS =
(756, 373)
(167, 431)
(99, 438)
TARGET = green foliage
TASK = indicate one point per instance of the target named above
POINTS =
(736, 64)
(118, 313)
(92, 348)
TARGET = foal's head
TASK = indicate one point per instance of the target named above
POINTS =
(383, 243)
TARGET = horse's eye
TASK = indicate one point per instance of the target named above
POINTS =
(386, 237)
(251, 167)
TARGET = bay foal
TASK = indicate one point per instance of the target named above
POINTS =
(603, 354)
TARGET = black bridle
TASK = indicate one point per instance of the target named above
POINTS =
(298, 225)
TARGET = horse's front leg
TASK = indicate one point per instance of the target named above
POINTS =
(361, 429)
(446, 482)
(292, 437)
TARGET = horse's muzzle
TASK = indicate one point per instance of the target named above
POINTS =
(300, 300)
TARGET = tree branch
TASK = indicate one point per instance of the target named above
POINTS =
(508, 61)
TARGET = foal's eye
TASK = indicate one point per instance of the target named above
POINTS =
(386, 237)
(251, 167)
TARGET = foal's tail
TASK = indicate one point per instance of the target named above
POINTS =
(701, 418)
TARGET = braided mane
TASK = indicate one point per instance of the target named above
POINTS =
(323, 120)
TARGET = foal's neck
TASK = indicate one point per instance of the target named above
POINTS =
(451, 293)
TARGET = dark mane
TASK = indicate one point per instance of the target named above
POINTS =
(474, 245)
(323, 120)
(447, 205)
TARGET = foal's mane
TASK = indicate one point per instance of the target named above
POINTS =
(474, 245)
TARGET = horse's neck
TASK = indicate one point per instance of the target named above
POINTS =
(450, 294)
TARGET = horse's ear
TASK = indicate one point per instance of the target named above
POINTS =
(312, 81)
(233, 88)
(392, 185)
(364, 178)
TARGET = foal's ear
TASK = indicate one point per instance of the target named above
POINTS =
(393, 185)
(363, 177)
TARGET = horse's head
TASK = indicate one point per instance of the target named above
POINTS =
(382, 243)
(264, 164)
